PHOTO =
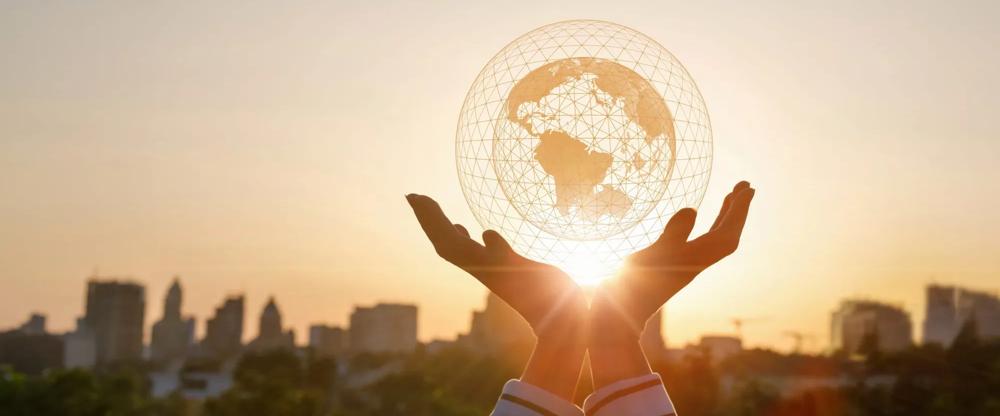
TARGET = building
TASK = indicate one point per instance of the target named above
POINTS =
(173, 334)
(270, 334)
(80, 347)
(720, 347)
(949, 308)
(29, 349)
(651, 338)
(35, 325)
(224, 330)
(327, 341)
(498, 329)
(856, 321)
(385, 327)
(114, 314)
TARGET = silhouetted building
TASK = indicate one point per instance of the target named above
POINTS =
(887, 326)
(949, 308)
(651, 338)
(720, 347)
(80, 347)
(498, 329)
(173, 334)
(327, 341)
(270, 335)
(30, 352)
(115, 316)
(224, 331)
(35, 325)
(385, 327)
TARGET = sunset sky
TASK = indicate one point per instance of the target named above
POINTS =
(265, 148)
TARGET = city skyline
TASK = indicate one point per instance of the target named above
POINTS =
(269, 332)
(267, 152)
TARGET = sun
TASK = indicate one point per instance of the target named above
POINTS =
(588, 270)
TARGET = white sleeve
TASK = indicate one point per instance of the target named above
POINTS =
(638, 396)
(522, 399)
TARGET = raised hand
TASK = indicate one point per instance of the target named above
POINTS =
(652, 276)
(546, 297)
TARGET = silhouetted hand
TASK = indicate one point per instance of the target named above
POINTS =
(546, 297)
(652, 276)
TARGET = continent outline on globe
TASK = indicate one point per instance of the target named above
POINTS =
(577, 170)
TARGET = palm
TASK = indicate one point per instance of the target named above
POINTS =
(544, 295)
(655, 274)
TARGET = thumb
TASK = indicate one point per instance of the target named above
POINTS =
(495, 244)
(679, 227)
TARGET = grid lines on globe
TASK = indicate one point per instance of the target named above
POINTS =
(576, 159)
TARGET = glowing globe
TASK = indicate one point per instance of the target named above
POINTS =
(579, 140)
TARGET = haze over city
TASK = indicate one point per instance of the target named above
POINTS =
(266, 152)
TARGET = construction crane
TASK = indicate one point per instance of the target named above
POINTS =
(798, 337)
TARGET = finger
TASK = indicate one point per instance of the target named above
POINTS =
(462, 230)
(736, 218)
(679, 227)
(724, 240)
(727, 203)
(495, 244)
(432, 220)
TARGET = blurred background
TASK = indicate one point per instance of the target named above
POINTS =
(198, 194)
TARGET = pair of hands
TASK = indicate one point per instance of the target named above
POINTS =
(555, 306)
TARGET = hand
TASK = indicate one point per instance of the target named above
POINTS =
(546, 297)
(652, 276)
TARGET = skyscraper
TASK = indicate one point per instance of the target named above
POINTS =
(386, 327)
(172, 334)
(327, 341)
(270, 334)
(224, 330)
(950, 307)
(115, 315)
(498, 328)
(651, 338)
(855, 320)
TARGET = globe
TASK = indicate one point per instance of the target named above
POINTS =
(579, 140)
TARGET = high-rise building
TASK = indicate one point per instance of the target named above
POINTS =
(224, 330)
(386, 327)
(327, 341)
(651, 338)
(498, 329)
(950, 307)
(857, 320)
(173, 334)
(940, 320)
(114, 313)
(270, 335)
(80, 349)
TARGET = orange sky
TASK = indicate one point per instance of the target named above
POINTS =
(267, 150)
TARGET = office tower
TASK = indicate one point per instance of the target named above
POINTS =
(950, 307)
(651, 338)
(80, 347)
(270, 334)
(114, 313)
(173, 333)
(857, 320)
(224, 330)
(383, 328)
(498, 328)
(327, 341)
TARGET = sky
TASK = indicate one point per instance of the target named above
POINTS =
(265, 149)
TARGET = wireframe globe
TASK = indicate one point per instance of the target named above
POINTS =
(579, 140)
